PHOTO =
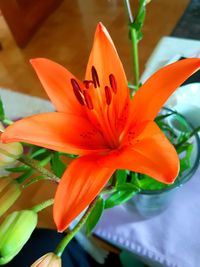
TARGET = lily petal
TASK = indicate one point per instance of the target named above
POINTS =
(56, 81)
(105, 59)
(80, 184)
(156, 90)
(57, 131)
(150, 153)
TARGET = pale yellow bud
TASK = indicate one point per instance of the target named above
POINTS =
(147, 1)
(9, 192)
(9, 153)
(48, 260)
(15, 231)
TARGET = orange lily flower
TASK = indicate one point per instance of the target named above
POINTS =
(97, 120)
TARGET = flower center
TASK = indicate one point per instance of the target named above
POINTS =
(98, 99)
(83, 96)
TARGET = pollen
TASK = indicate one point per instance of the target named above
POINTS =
(113, 83)
(95, 77)
(77, 91)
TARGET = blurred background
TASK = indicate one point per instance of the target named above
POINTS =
(63, 30)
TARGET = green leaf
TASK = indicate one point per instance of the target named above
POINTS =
(127, 187)
(148, 183)
(57, 166)
(162, 117)
(121, 176)
(44, 162)
(71, 156)
(124, 192)
(185, 161)
(38, 152)
(134, 179)
(25, 176)
(21, 168)
(2, 113)
(95, 215)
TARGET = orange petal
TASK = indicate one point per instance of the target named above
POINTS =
(80, 184)
(105, 59)
(56, 80)
(156, 90)
(57, 131)
(150, 153)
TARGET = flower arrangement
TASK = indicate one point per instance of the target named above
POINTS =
(106, 131)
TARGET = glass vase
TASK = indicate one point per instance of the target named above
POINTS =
(152, 202)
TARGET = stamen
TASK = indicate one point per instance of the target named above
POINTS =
(77, 91)
(108, 95)
(88, 100)
(95, 77)
(87, 83)
(113, 83)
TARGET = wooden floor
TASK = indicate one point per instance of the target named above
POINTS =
(66, 37)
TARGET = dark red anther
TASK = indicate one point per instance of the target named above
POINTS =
(108, 95)
(95, 77)
(113, 83)
(88, 99)
(77, 91)
(87, 83)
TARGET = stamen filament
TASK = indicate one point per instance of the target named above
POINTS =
(108, 95)
(87, 83)
(105, 128)
(88, 100)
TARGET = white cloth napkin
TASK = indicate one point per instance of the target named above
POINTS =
(170, 239)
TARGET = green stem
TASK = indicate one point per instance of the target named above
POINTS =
(134, 43)
(64, 242)
(39, 207)
(129, 12)
(108, 190)
(195, 131)
(34, 164)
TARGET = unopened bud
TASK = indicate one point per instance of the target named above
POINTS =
(15, 232)
(48, 260)
(147, 1)
(9, 153)
(9, 192)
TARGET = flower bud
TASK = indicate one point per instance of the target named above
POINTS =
(9, 153)
(9, 192)
(15, 232)
(48, 260)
